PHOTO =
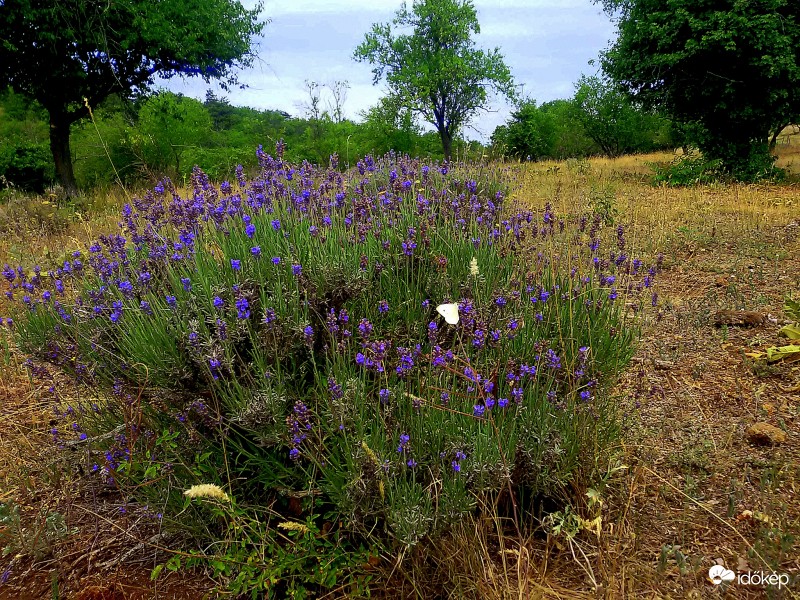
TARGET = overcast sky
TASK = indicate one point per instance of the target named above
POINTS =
(546, 43)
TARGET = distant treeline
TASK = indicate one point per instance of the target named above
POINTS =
(168, 134)
(598, 120)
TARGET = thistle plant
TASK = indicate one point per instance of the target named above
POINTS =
(281, 333)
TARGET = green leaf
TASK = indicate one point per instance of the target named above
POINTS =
(792, 309)
(777, 353)
(174, 563)
(790, 331)
(156, 572)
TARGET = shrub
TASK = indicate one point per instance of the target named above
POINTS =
(26, 166)
(364, 354)
(687, 170)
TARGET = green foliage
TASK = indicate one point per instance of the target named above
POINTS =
(305, 561)
(324, 386)
(529, 134)
(435, 71)
(25, 161)
(26, 166)
(169, 134)
(729, 69)
(598, 120)
(687, 170)
(388, 126)
(169, 127)
(70, 55)
(570, 139)
(791, 308)
(603, 202)
(34, 538)
(614, 123)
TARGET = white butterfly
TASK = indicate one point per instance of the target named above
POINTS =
(449, 312)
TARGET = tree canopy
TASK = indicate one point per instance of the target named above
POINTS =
(729, 69)
(428, 58)
(617, 125)
(69, 55)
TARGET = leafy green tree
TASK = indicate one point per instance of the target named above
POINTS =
(24, 158)
(529, 133)
(70, 55)
(435, 71)
(169, 125)
(389, 127)
(730, 69)
(616, 124)
(223, 115)
(569, 137)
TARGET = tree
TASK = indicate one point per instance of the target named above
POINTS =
(338, 96)
(570, 137)
(435, 70)
(70, 55)
(615, 123)
(169, 124)
(390, 127)
(729, 70)
(528, 134)
(222, 114)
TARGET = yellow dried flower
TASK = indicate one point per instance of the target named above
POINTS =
(416, 399)
(206, 490)
(370, 453)
(473, 267)
(292, 526)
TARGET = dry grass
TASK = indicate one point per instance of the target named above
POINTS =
(694, 490)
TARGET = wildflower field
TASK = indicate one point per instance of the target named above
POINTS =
(401, 379)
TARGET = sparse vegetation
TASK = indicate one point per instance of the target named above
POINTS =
(317, 372)
(678, 465)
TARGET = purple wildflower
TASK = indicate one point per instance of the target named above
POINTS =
(243, 308)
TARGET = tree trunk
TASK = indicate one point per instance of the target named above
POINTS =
(447, 143)
(774, 140)
(62, 155)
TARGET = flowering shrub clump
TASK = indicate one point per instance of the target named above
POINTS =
(279, 335)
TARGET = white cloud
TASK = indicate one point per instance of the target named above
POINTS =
(546, 43)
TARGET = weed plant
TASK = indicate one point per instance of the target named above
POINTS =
(357, 359)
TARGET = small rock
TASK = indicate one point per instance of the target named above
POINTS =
(764, 434)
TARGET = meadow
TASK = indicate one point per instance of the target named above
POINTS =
(638, 464)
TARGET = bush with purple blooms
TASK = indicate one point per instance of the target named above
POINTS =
(281, 333)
